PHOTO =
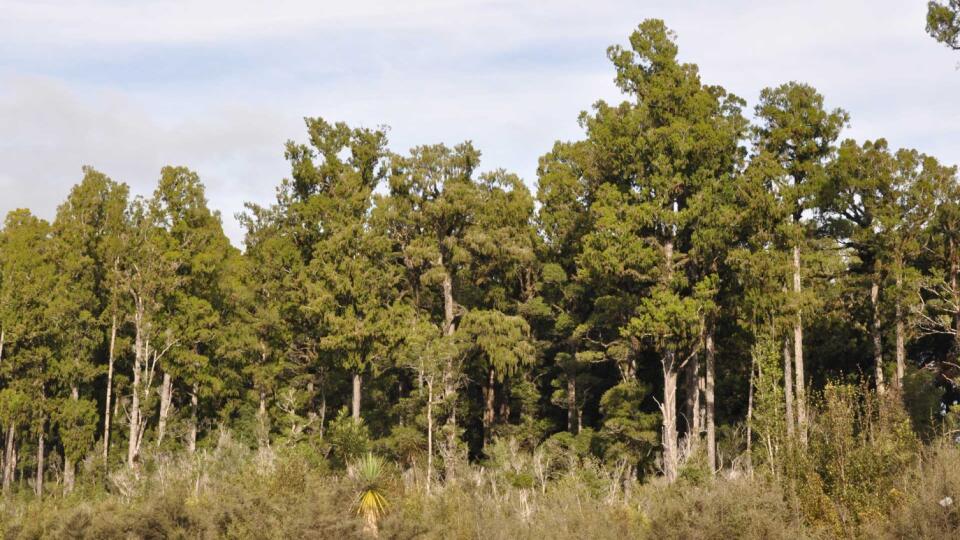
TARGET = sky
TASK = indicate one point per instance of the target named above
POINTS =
(219, 85)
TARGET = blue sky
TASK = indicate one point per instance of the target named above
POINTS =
(218, 86)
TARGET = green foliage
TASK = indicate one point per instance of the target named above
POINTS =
(524, 363)
(859, 445)
(348, 438)
(76, 421)
(943, 22)
(923, 399)
(371, 501)
(629, 434)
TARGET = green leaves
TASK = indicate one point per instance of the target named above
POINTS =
(943, 22)
(503, 340)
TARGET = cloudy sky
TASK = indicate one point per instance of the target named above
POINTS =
(219, 85)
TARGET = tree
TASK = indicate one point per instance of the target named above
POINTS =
(149, 279)
(503, 346)
(943, 22)
(354, 275)
(267, 274)
(29, 277)
(193, 246)
(565, 191)
(659, 151)
(432, 197)
(795, 136)
(84, 232)
(875, 202)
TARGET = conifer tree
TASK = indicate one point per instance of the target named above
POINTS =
(29, 277)
(795, 136)
(81, 236)
(655, 174)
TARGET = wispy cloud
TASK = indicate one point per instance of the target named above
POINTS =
(218, 86)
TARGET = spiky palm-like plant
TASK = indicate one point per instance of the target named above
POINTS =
(371, 502)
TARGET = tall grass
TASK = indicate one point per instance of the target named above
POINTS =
(863, 475)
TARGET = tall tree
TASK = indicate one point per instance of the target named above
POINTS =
(876, 202)
(797, 134)
(29, 278)
(432, 199)
(82, 236)
(660, 150)
(149, 279)
(353, 275)
(194, 247)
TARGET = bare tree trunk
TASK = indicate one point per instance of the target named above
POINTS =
(901, 337)
(449, 377)
(263, 437)
(877, 335)
(668, 362)
(572, 411)
(41, 451)
(323, 410)
(8, 457)
(69, 466)
(955, 293)
(489, 399)
(429, 432)
(138, 360)
(798, 352)
(194, 405)
(166, 401)
(708, 392)
(692, 400)
(669, 410)
(106, 406)
(3, 335)
(357, 381)
(753, 369)
(788, 387)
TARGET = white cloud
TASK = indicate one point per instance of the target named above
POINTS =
(220, 85)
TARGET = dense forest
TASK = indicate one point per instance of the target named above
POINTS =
(706, 321)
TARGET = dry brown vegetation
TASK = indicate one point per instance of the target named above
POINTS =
(863, 475)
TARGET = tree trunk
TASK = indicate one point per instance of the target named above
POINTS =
(753, 369)
(955, 293)
(8, 457)
(572, 412)
(194, 405)
(323, 410)
(489, 399)
(166, 401)
(668, 362)
(901, 337)
(801, 395)
(429, 432)
(692, 401)
(106, 406)
(263, 437)
(708, 393)
(449, 377)
(788, 387)
(357, 381)
(669, 410)
(877, 336)
(41, 439)
(138, 360)
(69, 466)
